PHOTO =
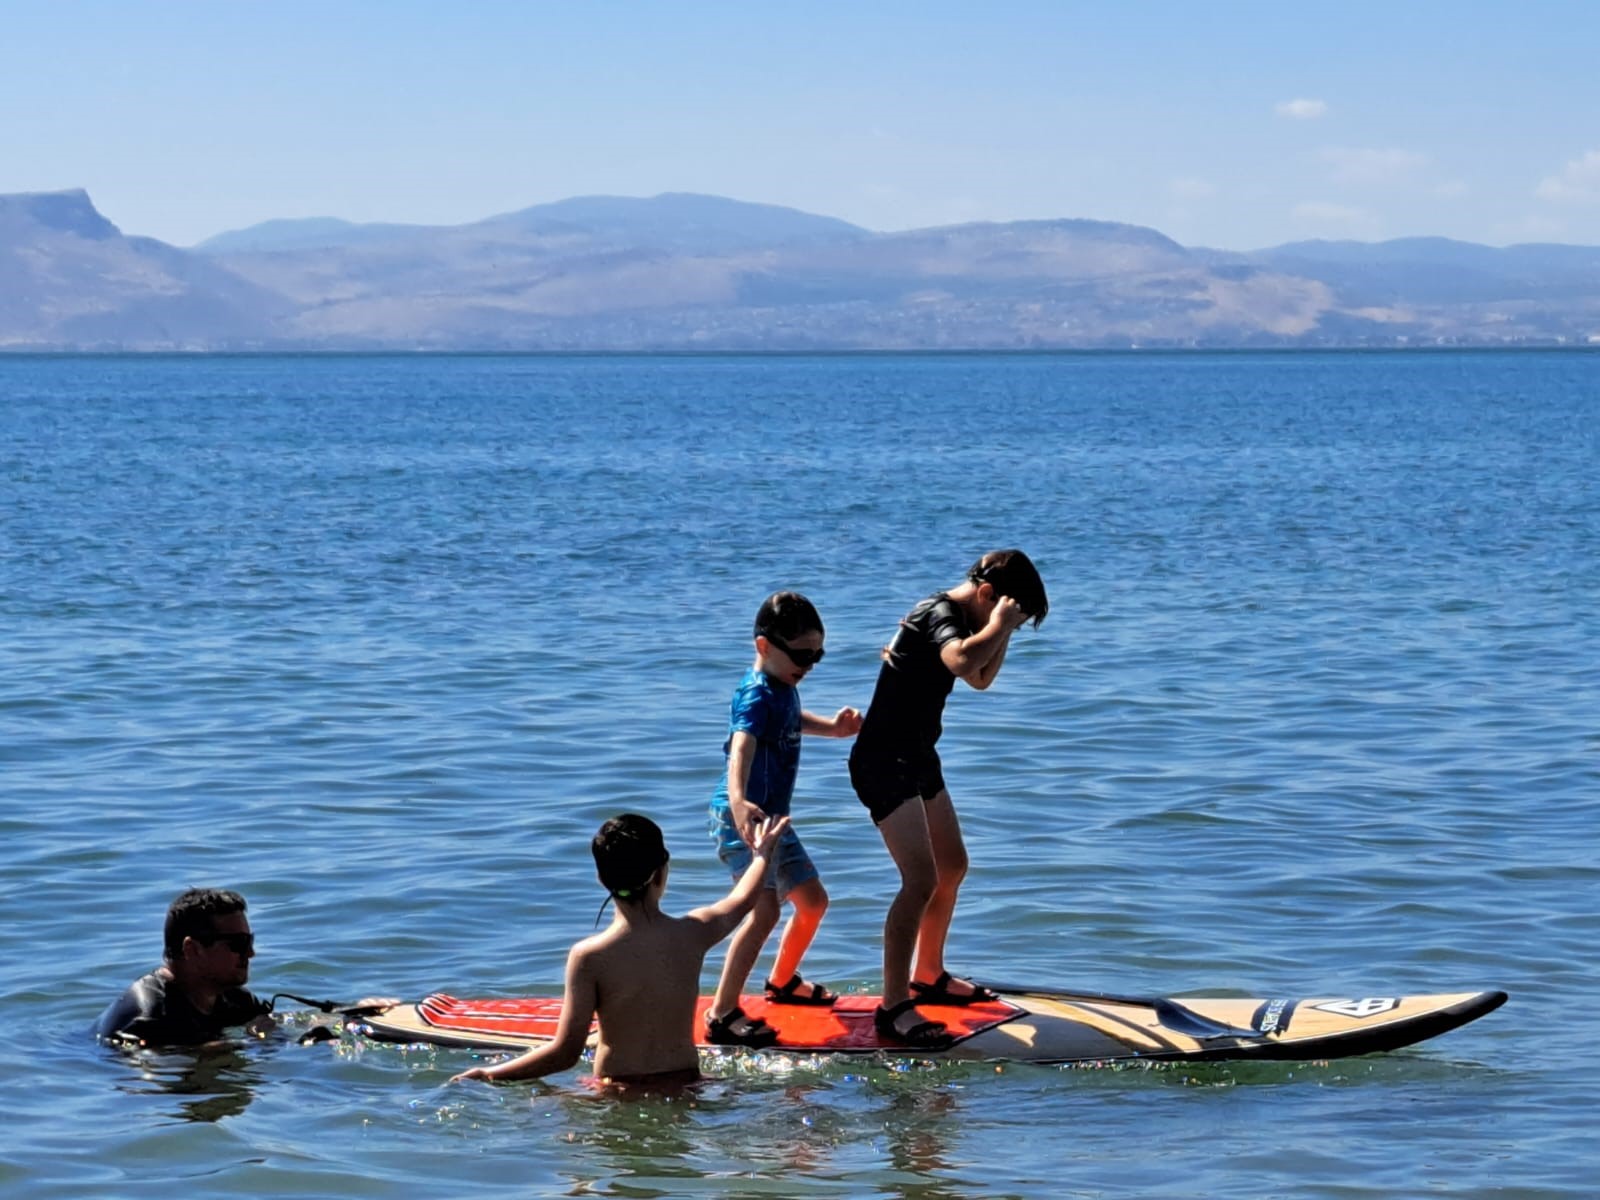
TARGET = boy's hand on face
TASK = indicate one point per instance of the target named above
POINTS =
(746, 817)
(846, 722)
(1008, 614)
(767, 832)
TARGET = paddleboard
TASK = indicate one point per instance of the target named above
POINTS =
(1024, 1024)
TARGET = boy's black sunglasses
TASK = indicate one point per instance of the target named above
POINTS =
(240, 943)
(799, 657)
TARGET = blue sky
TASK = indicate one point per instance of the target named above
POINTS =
(1234, 125)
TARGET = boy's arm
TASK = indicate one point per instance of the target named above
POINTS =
(720, 919)
(844, 723)
(986, 673)
(578, 1006)
(741, 753)
(977, 659)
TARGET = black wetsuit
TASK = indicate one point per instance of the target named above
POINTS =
(893, 759)
(155, 1012)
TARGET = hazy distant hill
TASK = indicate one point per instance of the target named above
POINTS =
(684, 271)
(678, 222)
(70, 279)
(1441, 271)
(697, 271)
(302, 233)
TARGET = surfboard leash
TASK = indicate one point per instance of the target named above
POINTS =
(327, 1006)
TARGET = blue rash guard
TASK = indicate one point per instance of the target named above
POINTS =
(768, 711)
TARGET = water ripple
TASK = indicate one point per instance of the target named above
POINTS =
(380, 641)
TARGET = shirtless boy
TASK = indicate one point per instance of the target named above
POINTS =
(642, 974)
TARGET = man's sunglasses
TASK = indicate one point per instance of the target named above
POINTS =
(800, 658)
(242, 944)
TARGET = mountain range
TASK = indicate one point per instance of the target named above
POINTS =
(690, 272)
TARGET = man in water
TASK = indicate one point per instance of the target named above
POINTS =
(198, 991)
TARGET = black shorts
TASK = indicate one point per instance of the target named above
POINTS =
(883, 782)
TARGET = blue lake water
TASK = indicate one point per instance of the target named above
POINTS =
(379, 642)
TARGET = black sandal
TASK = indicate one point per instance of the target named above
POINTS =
(819, 996)
(938, 992)
(924, 1035)
(755, 1034)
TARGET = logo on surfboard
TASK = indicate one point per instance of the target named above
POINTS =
(1271, 1017)
(1358, 1009)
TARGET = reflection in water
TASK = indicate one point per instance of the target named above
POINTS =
(917, 1125)
(806, 1147)
(219, 1079)
(647, 1136)
(776, 1130)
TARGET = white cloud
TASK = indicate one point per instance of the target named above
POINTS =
(1356, 165)
(1302, 110)
(1192, 189)
(1451, 189)
(1331, 214)
(1578, 182)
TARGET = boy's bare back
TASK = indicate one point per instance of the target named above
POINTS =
(645, 976)
(641, 976)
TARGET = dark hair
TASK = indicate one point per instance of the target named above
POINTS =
(628, 851)
(1012, 573)
(787, 615)
(191, 915)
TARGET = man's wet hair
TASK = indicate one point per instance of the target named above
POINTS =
(1012, 573)
(787, 615)
(628, 851)
(193, 915)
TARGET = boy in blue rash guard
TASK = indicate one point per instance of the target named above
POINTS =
(894, 767)
(763, 751)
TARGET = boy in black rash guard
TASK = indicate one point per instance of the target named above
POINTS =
(894, 768)
(199, 990)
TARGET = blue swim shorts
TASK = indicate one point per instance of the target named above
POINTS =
(791, 867)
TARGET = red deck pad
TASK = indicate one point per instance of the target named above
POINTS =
(523, 1017)
(845, 1028)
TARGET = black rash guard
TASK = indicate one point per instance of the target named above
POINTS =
(907, 710)
(153, 1014)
